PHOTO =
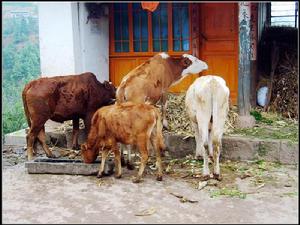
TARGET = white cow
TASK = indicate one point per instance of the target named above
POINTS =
(207, 104)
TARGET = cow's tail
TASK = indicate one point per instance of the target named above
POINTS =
(220, 107)
(27, 115)
(120, 94)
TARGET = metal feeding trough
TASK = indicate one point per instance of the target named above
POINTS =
(44, 165)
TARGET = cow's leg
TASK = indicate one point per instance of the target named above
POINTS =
(142, 145)
(32, 135)
(210, 146)
(30, 142)
(158, 148)
(87, 123)
(42, 138)
(203, 120)
(216, 158)
(105, 153)
(122, 147)
(116, 151)
(75, 134)
(164, 109)
(198, 153)
(129, 163)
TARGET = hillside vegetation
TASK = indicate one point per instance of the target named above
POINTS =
(20, 61)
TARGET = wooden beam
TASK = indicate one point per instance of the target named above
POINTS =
(244, 59)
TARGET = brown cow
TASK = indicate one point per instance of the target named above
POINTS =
(151, 80)
(63, 98)
(128, 123)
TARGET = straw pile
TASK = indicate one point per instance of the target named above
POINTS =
(179, 121)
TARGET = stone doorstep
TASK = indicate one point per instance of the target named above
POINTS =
(233, 147)
(239, 148)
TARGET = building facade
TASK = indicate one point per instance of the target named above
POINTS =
(110, 39)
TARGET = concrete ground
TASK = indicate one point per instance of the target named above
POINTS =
(265, 194)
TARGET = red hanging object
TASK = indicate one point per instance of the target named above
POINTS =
(151, 6)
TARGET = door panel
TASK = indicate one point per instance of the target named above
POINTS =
(225, 67)
(119, 67)
(219, 42)
(218, 20)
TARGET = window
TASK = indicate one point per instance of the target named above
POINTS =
(121, 34)
(181, 27)
(140, 28)
(160, 28)
(284, 14)
(137, 30)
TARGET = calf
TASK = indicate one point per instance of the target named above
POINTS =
(128, 123)
(207, 104)
(63, 98)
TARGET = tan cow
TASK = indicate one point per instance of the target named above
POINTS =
(136, 124)
(151, 80)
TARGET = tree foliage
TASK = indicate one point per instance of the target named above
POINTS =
(20, 64)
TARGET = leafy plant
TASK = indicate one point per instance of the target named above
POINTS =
(228, 192)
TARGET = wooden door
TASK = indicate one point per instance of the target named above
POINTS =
(219, 42)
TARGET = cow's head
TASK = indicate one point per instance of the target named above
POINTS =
(111, 92)
(88, 154)
(192, 65)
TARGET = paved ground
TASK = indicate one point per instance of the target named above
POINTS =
(264, 194)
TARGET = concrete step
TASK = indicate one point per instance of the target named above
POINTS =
(233, 147)
(239, 148)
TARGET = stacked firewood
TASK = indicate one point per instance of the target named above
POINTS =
(285, 87)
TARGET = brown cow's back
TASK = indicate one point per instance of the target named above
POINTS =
(63, 98)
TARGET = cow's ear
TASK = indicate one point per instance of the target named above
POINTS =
(186, 62)
(107, 85)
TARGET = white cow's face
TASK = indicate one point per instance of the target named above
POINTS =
(195, 65)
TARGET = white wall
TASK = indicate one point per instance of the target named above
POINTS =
(70, 46)
(93, 43)
(56, 38)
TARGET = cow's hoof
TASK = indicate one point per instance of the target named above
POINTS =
(217, 177)
(76, 147)
(99, 175)
(159, 178)
(51, 155)
(130, 166)
(198, 157)
(205, 178)
(118, 176)
(136, 180)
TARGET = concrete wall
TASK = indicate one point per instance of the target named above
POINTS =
(56, 38)
(88, 43)
(93, 41)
